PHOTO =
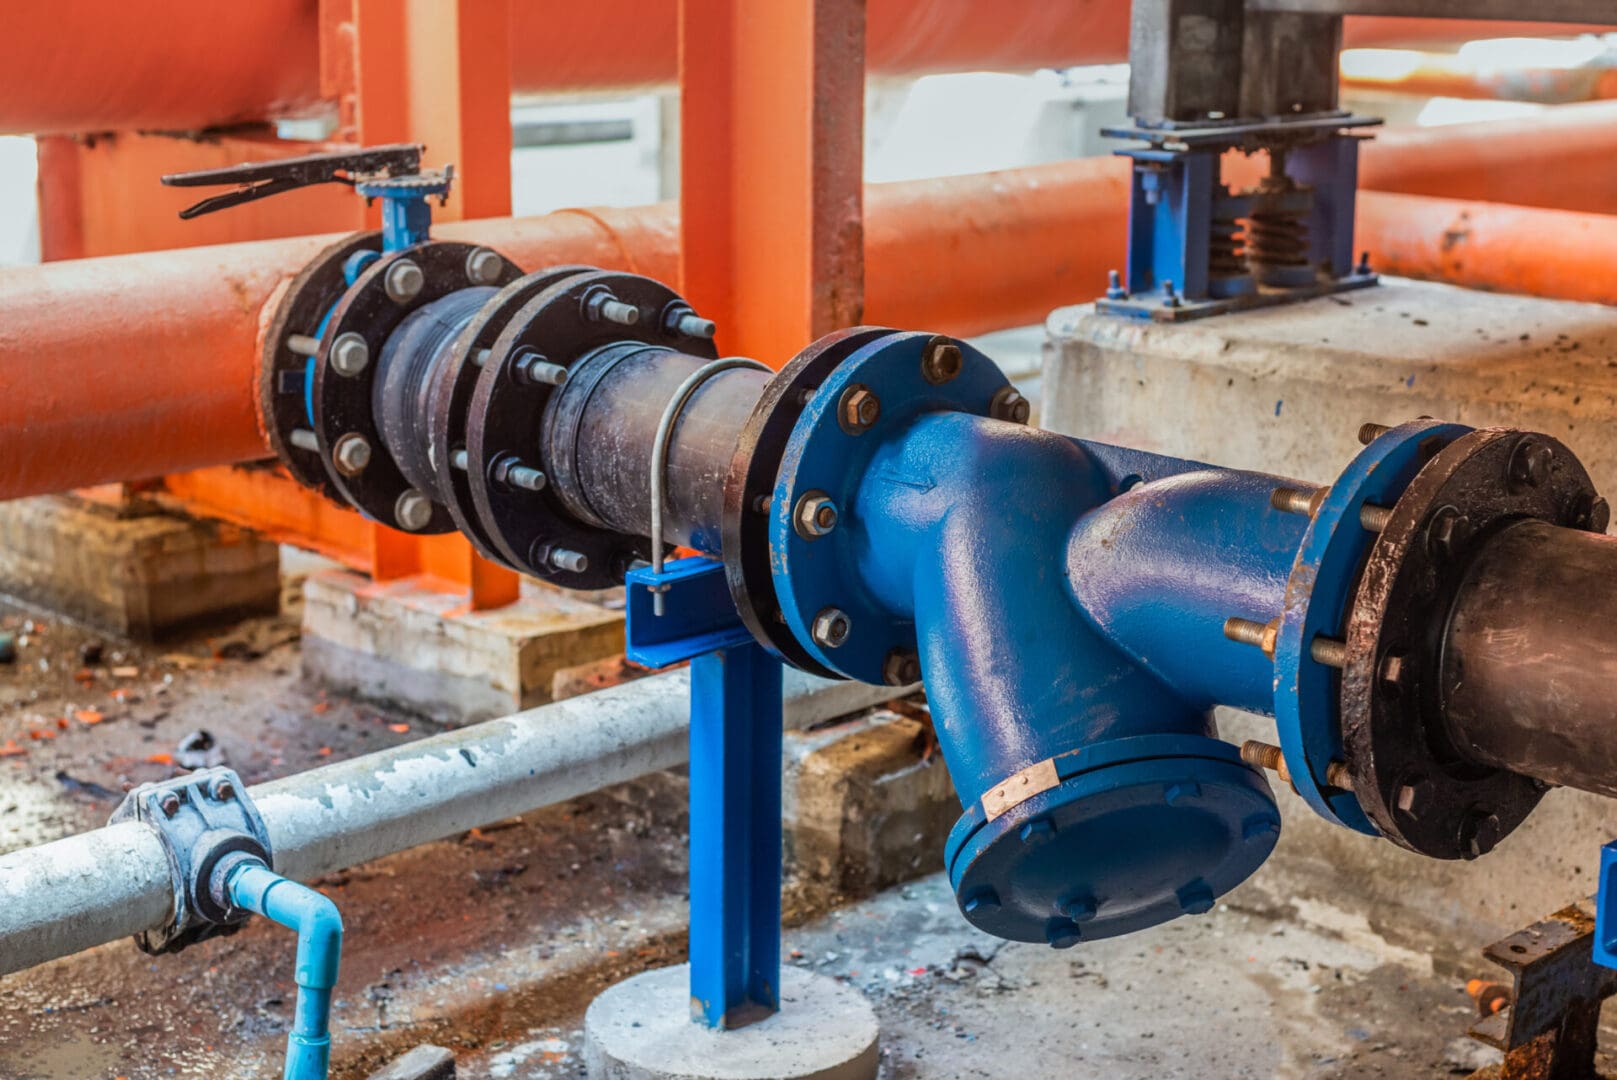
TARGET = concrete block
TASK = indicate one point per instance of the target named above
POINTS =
(407, 644)
(132, 570)
(1284, 390)
(425, 1062)
(868, 802)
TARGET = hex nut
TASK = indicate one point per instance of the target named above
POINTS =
(831, 628)
(223, 790)
(941, 361)
(815, 516)
(484, 266)
(1412, 796)
(1009, 405)
(1530, 463)
(351, 454)
(858, 410)
(901, 667)
(412, 511)
(404, 281)
(1446, 532)
(349, 354)
(169, 804)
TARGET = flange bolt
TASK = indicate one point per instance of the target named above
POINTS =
(574, 562)
(223, 790)
(510, 471)
(816, 515)
(831, 628)
(349, 354)
(941, 362)
(351, 454)
(859, 409)
(1252, 632)
(533, 369)
(1530, 464)
(404, 281)
(1010, 405)
(169, 804)
(901, 667)
(1369, 433)
(483, 266)
(678, 318)
(601, 304)
(412, 511)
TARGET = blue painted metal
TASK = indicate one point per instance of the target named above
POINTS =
(1319, 588)
(701, 618)
(1177, 203)
(1605, 949)
(735, 847)
(254, 887)
(406, 212)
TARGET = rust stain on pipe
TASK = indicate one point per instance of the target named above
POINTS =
(109, 65)
(139, 365)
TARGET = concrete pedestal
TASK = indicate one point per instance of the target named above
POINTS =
(641, 1029)
(406, 643)
(125, 567)
(1284, 390)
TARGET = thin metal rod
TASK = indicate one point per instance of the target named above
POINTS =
(659, 455)
(82, 891)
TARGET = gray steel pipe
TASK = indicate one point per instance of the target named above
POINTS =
(82, 891)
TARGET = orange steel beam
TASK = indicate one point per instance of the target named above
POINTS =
(772, 104)
(98, 65)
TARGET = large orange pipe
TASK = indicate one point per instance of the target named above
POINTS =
(133, 366)
(102, 65)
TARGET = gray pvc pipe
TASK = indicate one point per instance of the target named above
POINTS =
(82, 891)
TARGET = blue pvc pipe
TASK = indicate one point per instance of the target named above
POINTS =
(256, 888)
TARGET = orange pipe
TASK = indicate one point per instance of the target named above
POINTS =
(1449, 75)
(1555, 253)
(110, 65)
(1560, 158)
(134, 366)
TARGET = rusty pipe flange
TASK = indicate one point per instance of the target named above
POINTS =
(283, 372)
(1410, 779)
(370, 311)
(533, 531)
(454, 396)
(751, 481)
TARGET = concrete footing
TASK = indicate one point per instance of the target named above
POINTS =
(641, 1029)
(130, 569)
(1284, 390)
(868, 802)
(405, 643)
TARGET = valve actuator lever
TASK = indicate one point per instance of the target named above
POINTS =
(261, 179)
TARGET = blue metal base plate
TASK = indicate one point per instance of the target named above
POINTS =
(1149, 306)
(1138, 832)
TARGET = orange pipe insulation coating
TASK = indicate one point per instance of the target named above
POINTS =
(135, 366)
(181, 65)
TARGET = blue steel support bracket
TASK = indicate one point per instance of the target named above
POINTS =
(735, 868)
(735, 778)
(1605, 948)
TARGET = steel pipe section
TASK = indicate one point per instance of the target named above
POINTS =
(82, 891)
(191, 69)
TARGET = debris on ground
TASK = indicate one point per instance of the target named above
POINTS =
(198, 751)
(88, 788)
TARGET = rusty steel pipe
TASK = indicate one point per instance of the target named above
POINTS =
(1528, 665)
(108, 65)
(1513, 249)
(134, 366)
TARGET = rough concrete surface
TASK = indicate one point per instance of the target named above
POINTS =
(493, 944)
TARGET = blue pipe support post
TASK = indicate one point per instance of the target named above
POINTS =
(735, 785)
(254, 887)
(1067, 600)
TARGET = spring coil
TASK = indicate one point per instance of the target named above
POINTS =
(1226, 255)
(1277, 238)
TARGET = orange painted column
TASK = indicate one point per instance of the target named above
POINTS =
(771, 170)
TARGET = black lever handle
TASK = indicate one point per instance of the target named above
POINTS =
(261, 179)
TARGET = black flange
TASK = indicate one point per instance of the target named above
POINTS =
(1412, 781)
(380, 299)
(282, 369)
(531, 530)
(751, 482)
(449, 408)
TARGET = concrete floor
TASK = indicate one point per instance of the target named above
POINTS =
(494, 943)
